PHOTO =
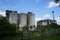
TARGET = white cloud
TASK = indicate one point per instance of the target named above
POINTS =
(37, 19)
(2, 13)
(46, 16)
(52, 4)
(58, 20)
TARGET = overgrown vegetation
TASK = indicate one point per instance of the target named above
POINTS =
(11, 32)
(7, 29)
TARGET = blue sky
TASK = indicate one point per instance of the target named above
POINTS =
(41, 8)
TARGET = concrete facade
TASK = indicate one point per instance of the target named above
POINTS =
(21, 19)
(45, 22)
(11, 16)
(31, 19)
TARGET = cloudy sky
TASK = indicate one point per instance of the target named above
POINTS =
(41, 8)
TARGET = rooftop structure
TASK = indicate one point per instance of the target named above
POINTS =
(45, 22)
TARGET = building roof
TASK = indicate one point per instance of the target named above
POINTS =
(46, 20)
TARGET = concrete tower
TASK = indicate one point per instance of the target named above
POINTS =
(22, 19)
(30, 19)
(11, 16)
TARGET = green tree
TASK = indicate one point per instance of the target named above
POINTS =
(25, 28)
(5, 26)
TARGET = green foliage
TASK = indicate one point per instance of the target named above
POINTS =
(58, 26)
(25, 28)
(14, 28)
(51, 26)
(5, 26)
(11, 29)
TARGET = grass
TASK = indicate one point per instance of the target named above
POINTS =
(34, 38)
(53, 38)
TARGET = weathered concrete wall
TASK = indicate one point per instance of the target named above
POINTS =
(31, 19)
(12, 16)
(22, 19)
(45, 22)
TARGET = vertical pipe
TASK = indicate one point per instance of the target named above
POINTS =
(53, 14)
(59, 16)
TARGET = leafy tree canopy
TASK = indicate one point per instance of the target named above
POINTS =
(5, 26)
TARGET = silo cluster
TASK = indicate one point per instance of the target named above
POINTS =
(21, 19)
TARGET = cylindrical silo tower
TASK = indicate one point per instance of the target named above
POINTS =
(11, 16)
(30, 19)
(22, 19)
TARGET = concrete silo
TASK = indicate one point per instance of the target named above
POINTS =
(22, 19)
(30, 19)
(11, 16)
